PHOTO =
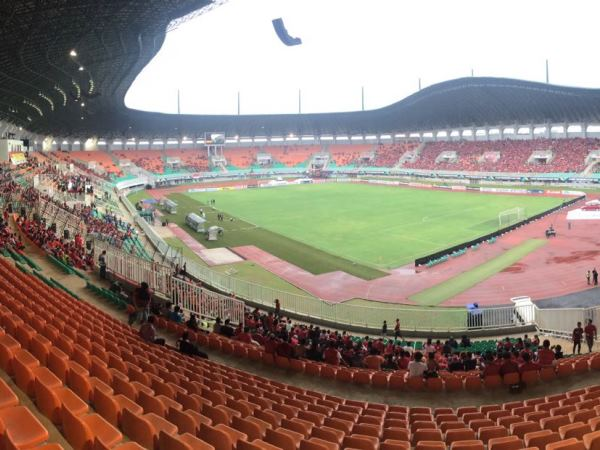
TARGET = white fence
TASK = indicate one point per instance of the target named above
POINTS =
(205, 303)
(423, 319)
(190, 297)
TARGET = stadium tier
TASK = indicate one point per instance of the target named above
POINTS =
(522, 156)
(564, 156)
(101, 381)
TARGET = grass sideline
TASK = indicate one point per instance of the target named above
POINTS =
(375, 226)
(454, 286)
(244, 270)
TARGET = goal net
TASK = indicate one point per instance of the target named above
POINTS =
(510, 217)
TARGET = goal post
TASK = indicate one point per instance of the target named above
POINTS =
(510, 217)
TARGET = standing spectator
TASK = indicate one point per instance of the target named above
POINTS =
(588, 276)
(595, 276)
(577, 335)
(384, 328)
(141, 301)
(277, 308)
(397, 333)
(102, 264)
(591, 333)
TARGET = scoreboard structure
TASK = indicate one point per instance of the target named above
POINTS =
(214, 142)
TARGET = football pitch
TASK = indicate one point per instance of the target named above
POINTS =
(358, 228)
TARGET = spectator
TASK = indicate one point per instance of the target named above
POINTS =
(227, 329)
(527, 364)
(508, 365)
(416, 368)
(140, 303)
(545, 356)
(374, 360)
(188, 348)
(148, 332)
(490, 366)
(432, 367)
(192, 322)
(102, 264)
(332, 356)
(577, 336)
(591, 333)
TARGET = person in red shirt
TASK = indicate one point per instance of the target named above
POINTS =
(331, 355)
(528, 365)
(545, 356)
(508, 365)
(490, 367)
(590, 334)
(245, 336)
(374, 360)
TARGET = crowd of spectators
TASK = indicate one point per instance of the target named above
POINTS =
(388, 155)
(70, 251)
(568, 155)
(280, 336)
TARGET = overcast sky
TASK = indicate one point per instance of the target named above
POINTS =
(383, 45)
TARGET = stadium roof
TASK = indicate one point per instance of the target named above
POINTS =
(46, 89)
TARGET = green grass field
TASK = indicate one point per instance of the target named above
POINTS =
(466, 280)
(360, 229)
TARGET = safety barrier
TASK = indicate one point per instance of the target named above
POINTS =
(191, 297)
(204, 303)
(453, 320)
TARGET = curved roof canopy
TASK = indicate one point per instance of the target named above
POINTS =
(47, 88)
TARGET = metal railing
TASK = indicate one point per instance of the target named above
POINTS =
(311, 308)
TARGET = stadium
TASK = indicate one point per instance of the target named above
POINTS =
(290, 269)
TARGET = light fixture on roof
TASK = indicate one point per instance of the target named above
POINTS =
(73, 53)
(81, 117)
(82, 104)
(81, 68)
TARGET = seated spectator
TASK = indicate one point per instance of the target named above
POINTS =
(332, 356)
(490, 367)
(284, 349)
(187, 348)
(465, 341)
(528, 365)
(416, 368)
(217, 326)
(558, 354)
(226, 329)
(245, 336)
(508, 365)
(166, 310)
(148, 332)
(389, 363)
(545, 356)
(469, 363)
(192, 322)
(432, 367)
(455, 364)
(176, 315)
(374, 360)
(404, 360)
